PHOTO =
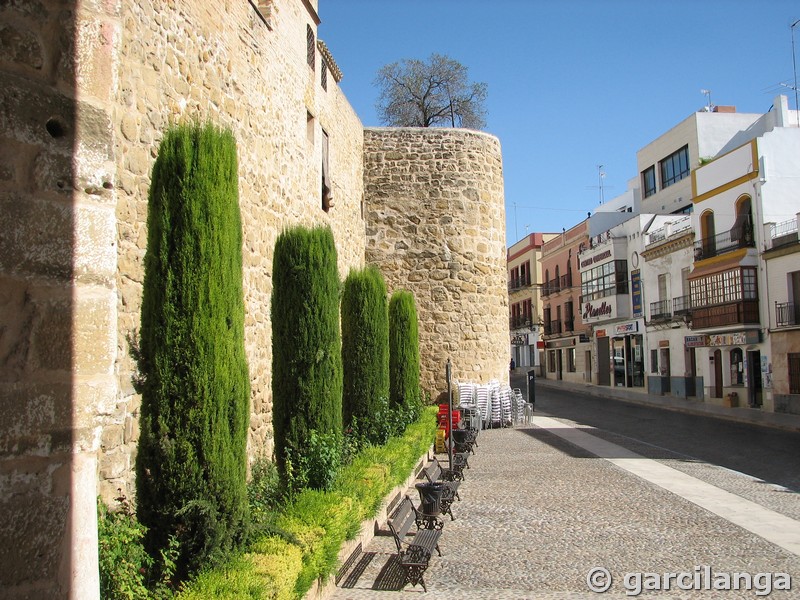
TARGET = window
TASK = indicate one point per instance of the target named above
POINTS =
(794, 372)
(551, 361)
(571, 360)
(737, 367)
(649, 181)
(662, 287)
(675, 167)
(327, 189)
(310, 47)
(726, 287)
(606, 280)
(654, 361)
(323, 74)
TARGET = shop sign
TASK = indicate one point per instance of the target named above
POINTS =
(636, 293)
(596, 259)
(694, 341)
(663, 343)
(584, 339)
(600, 333)
(561, 343)
(590, 311)
(519, 340)
(740, 338)
(626, 328)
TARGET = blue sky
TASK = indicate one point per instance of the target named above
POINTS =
(574, 84)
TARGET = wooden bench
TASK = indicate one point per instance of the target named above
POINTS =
(414, 548)
(451, 481)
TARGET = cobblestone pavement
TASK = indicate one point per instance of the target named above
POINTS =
(538, 513)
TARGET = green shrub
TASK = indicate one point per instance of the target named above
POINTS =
(316, 465)
(306, 342)
(365, 344)
(127, 571)
(191, 461)
(404, 381)
(316, 523)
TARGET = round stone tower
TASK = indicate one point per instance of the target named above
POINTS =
(435, 218)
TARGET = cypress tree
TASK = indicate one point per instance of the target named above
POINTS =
(365, 344)
(403, 351)
(191, 462)
(306, 341)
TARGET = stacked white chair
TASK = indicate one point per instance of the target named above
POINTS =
(505, 406)
(482, 402)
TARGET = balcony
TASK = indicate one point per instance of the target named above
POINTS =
(738, 237)
(555, 326)
(520, 322)
(659, 311)
(787, 314)
(518, 283)
(783, 234)
(566, 281)
(681, 306)
(569, 324)
(737, 313)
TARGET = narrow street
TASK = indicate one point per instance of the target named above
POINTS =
(595, 483)
(768, 454)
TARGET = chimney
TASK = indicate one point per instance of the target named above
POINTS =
(724, 109)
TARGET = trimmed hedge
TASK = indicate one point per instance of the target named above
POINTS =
(191, 460)
(316, 525)
(306, 343)
(365, 344)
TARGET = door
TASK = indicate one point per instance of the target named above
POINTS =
(559, 364)
(717, 374)
(603, 356)
(587, 369)
(618, 358)
(754, 387)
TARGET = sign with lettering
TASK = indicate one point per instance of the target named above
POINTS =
(624, 328)
(593, 260)
(600, 333)
(739, 338)
(519, 340)
(636, 293)
(694, 341)
(596, 311)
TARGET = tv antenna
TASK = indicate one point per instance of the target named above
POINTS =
(601, 186)
(709, 107)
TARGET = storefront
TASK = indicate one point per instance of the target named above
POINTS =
(524, 350)
(620, 354)
(733, 366)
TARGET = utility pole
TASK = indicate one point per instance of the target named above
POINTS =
(794, 68)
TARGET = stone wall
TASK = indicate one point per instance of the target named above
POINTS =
(57, 290)
(86, 91)
(220, 61)
(436, 226)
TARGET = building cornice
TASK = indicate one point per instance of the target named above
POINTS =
(668, 246)
(329, 62)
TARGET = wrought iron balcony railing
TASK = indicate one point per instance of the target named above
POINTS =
(517, 283)
(738, 237)
(659, 311)
(681, 305)
(787, 314)
(520, 322)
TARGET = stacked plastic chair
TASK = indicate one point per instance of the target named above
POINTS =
(482, 402)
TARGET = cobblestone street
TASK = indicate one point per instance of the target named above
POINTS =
(538, 512)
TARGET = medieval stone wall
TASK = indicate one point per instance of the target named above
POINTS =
(57, 290)
(436, 226)
(221, 61)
